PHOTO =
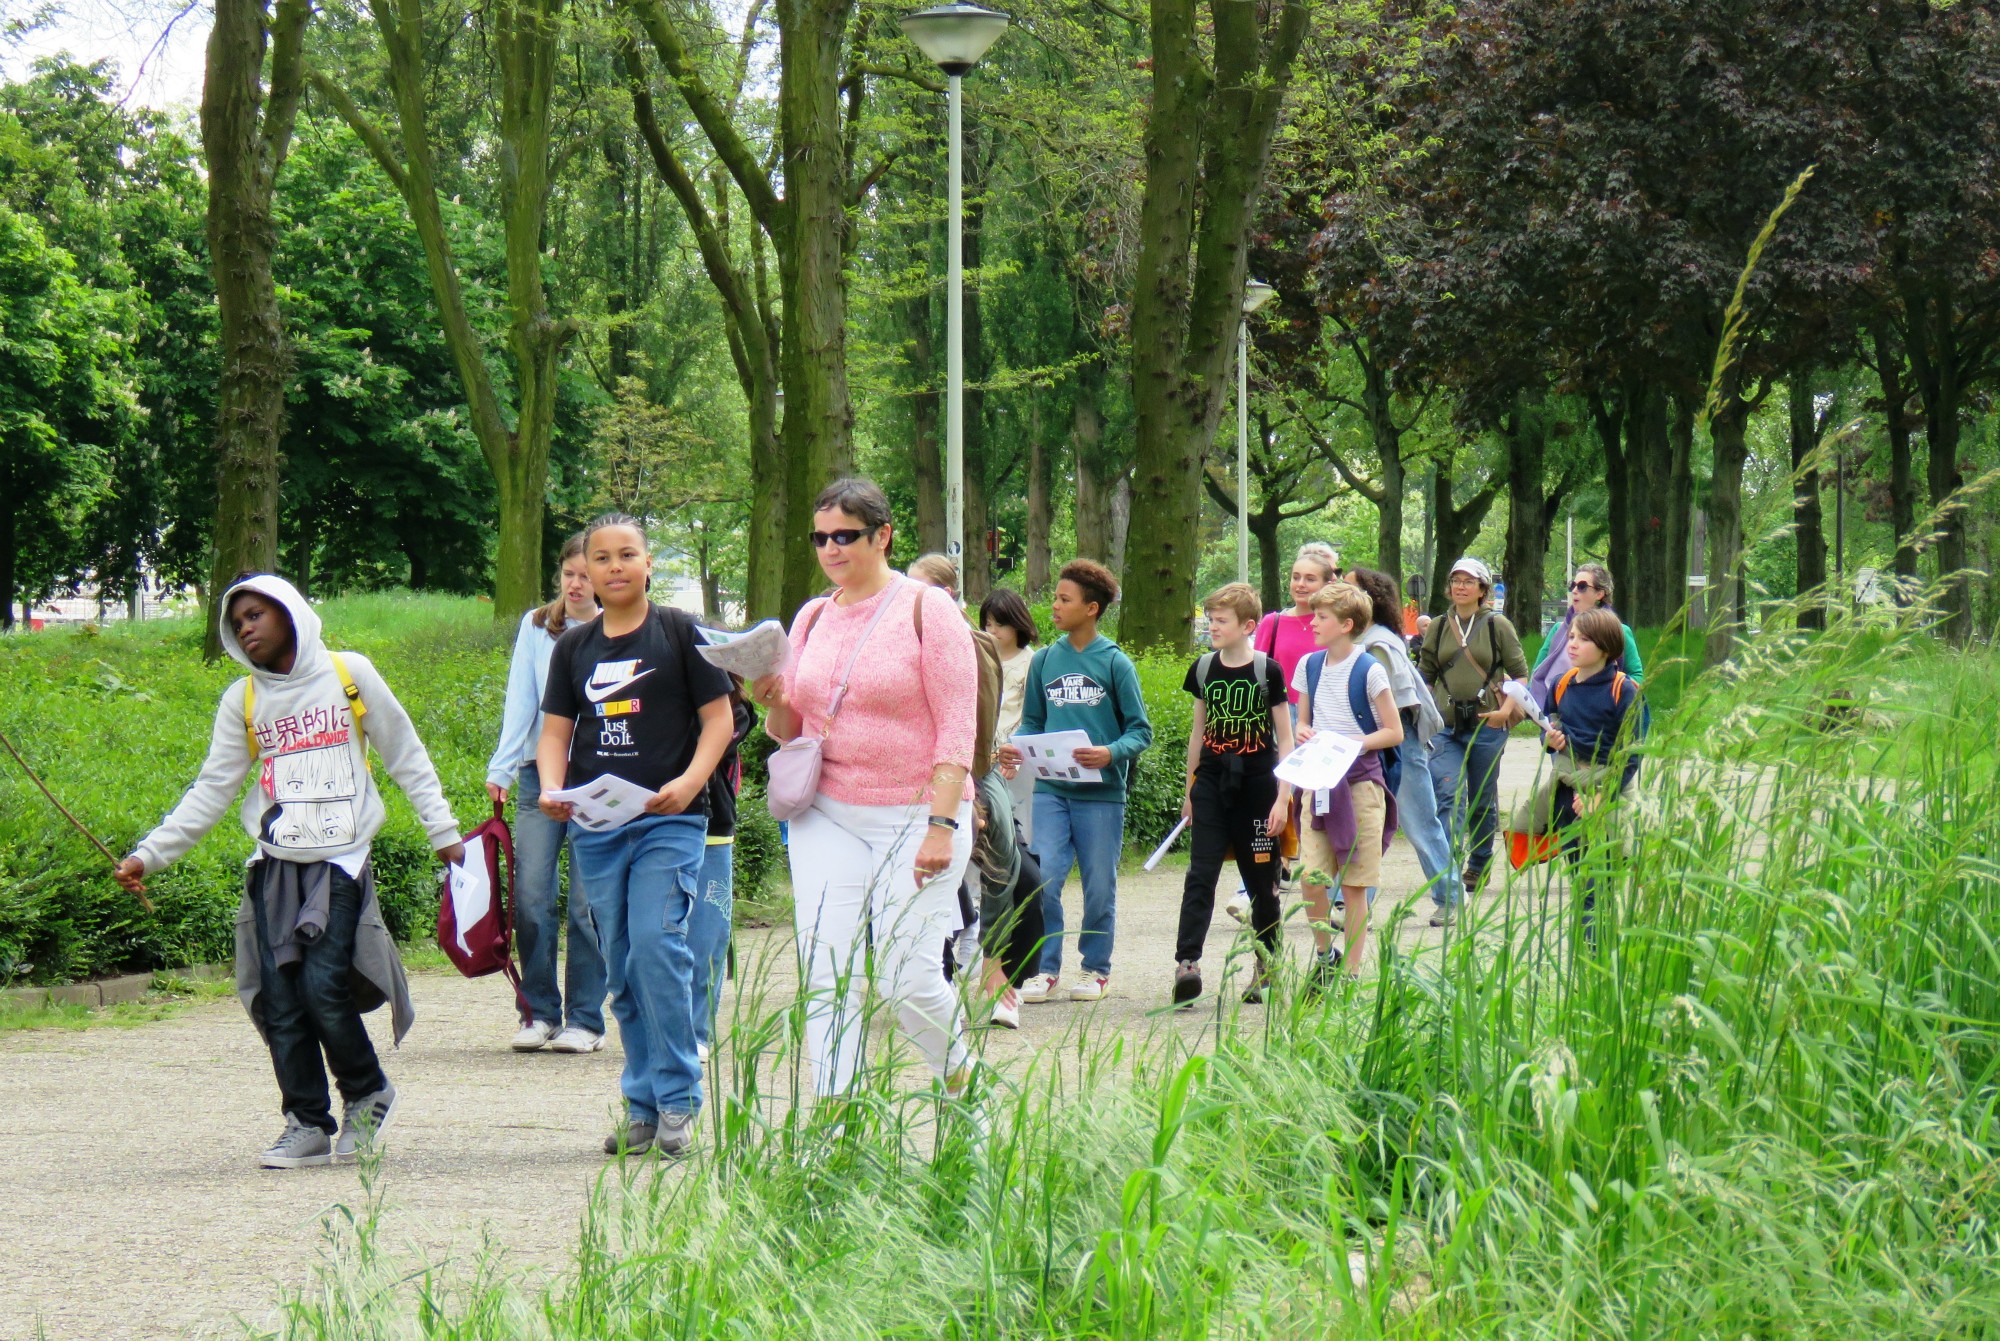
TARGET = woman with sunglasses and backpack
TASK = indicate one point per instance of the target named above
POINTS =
(879, 847)
(1589, 589)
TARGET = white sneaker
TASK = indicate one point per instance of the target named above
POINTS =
(1036, 989)
(1006, 1014)
(574, 1039)
(1090, 987)
(1238, 906)
(534, 1037)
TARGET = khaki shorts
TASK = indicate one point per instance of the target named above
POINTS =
(1364, 864)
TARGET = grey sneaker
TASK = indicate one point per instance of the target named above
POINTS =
(1443, 917)
(676, 1134)
(636, 1139)
(300, 1147)
(362, 1124)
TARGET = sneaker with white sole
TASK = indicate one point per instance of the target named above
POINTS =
(635, 1138)
(577, 1039)
(675, 1134)
(301, 1146)
(700, 1051)
(534, 1036)
(1090, 987)
(1238, 906)
(1006, 1014)
(362, 1124)
(1443, 917)
(1036, 989)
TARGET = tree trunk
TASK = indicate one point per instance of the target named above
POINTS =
(1608, 415)
(1896, 424)
(812, 253)
(1038, 505)
(1208, 138)
(1726, 609)
(10, 550)
(1264, 523)
(244, 144)
(1526, 431)
(1650, 459)
(1457, 527)
(1093, 512)
(1377, 399)
(926, 461)
(1808, 530)
(1119, 524)
(1679, 510)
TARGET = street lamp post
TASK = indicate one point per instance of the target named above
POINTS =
(954, 37)
(1255, 294)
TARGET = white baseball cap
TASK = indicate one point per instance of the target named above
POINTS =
(1478, 570)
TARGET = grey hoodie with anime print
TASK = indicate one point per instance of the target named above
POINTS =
(314, 798)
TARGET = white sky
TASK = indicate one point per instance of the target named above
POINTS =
(157, 45)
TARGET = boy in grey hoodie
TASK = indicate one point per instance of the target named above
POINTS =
(312, 952)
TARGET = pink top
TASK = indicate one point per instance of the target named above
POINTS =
(909, 706)
(1294, 641)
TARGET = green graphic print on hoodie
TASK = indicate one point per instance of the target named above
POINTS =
(1095, 691)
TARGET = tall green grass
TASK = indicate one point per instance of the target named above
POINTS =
(1759, 1102)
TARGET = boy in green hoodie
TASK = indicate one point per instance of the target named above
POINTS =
(1082, 682)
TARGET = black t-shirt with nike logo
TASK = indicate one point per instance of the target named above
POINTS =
(635, 698)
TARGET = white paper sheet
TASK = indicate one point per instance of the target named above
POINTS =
(752, 654)
(1165, 843)
(471, 891)
(608, 803)
(1052, 756)
(1517, 691)
(1321, 762)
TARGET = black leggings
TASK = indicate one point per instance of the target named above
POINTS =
(1230, 810)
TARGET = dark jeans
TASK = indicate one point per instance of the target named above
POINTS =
(1564, 817)
(307, 1009)
(1465, 771)
(1230, 811)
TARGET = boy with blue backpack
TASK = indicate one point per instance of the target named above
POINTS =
(1344, 829)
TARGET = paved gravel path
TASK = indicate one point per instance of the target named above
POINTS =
(129, 1206)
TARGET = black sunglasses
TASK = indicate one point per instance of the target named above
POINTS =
(821, 539)
(1584, 586)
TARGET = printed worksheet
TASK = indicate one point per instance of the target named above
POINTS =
(1052, 756)
(610, 802)
(752, 654)
(1321, 762)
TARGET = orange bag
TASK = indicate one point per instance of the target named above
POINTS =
(1528, 849)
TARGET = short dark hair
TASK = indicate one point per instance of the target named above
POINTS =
(1380, 589)
(1094, 580)
(615, 519)
(859, 498)
(1604, 628)
(1005, 606)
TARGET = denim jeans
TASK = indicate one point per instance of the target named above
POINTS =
(708, 933)
(1417, 820)
(307, 1009)
(642, 880)
(1087, 835)
(538, 844)
(1465, 770)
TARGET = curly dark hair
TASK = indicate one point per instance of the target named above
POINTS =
(1380, 589)
(1094, 580)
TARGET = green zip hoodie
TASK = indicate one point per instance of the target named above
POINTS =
(1095, 691)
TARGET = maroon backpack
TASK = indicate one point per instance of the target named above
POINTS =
(489, 942)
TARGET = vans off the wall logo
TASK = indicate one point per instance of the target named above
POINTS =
(1075, 690)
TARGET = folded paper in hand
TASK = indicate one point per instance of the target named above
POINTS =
(471, 890)
(752, 654)
(610, 802)
(1321, 762)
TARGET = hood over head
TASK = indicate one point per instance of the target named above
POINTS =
(309, 652)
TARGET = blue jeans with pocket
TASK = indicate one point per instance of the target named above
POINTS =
(642, 881)
(538, 844)
(1087, 835)
(1465, 770)
(708, 933)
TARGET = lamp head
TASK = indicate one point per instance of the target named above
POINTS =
(1255, 294)
(954, 36)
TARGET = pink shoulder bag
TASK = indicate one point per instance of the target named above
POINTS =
(794, 768)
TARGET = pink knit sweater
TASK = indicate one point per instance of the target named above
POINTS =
(909, 706)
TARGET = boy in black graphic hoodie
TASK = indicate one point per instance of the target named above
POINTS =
(312, 952)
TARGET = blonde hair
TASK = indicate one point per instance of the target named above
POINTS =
(1344, 600)
(554, 617)
(937, 570)
(1238, 598)
(1321, 553)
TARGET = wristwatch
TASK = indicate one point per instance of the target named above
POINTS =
(943, 822)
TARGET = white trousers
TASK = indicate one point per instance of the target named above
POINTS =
(854, 886)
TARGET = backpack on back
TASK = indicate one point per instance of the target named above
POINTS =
(487, 945)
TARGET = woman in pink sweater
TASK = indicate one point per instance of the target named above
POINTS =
(885, 844)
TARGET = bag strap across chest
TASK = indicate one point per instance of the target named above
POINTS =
(356, 707)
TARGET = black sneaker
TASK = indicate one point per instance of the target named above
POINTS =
(1187, 982)
(635, 1139)
(1325, 973)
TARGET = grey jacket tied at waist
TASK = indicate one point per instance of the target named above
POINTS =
(291, 891)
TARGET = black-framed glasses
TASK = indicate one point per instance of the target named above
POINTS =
(843, 538)
(1584, 586)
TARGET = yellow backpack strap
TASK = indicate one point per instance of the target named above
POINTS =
(249, 707)
(354, 703)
